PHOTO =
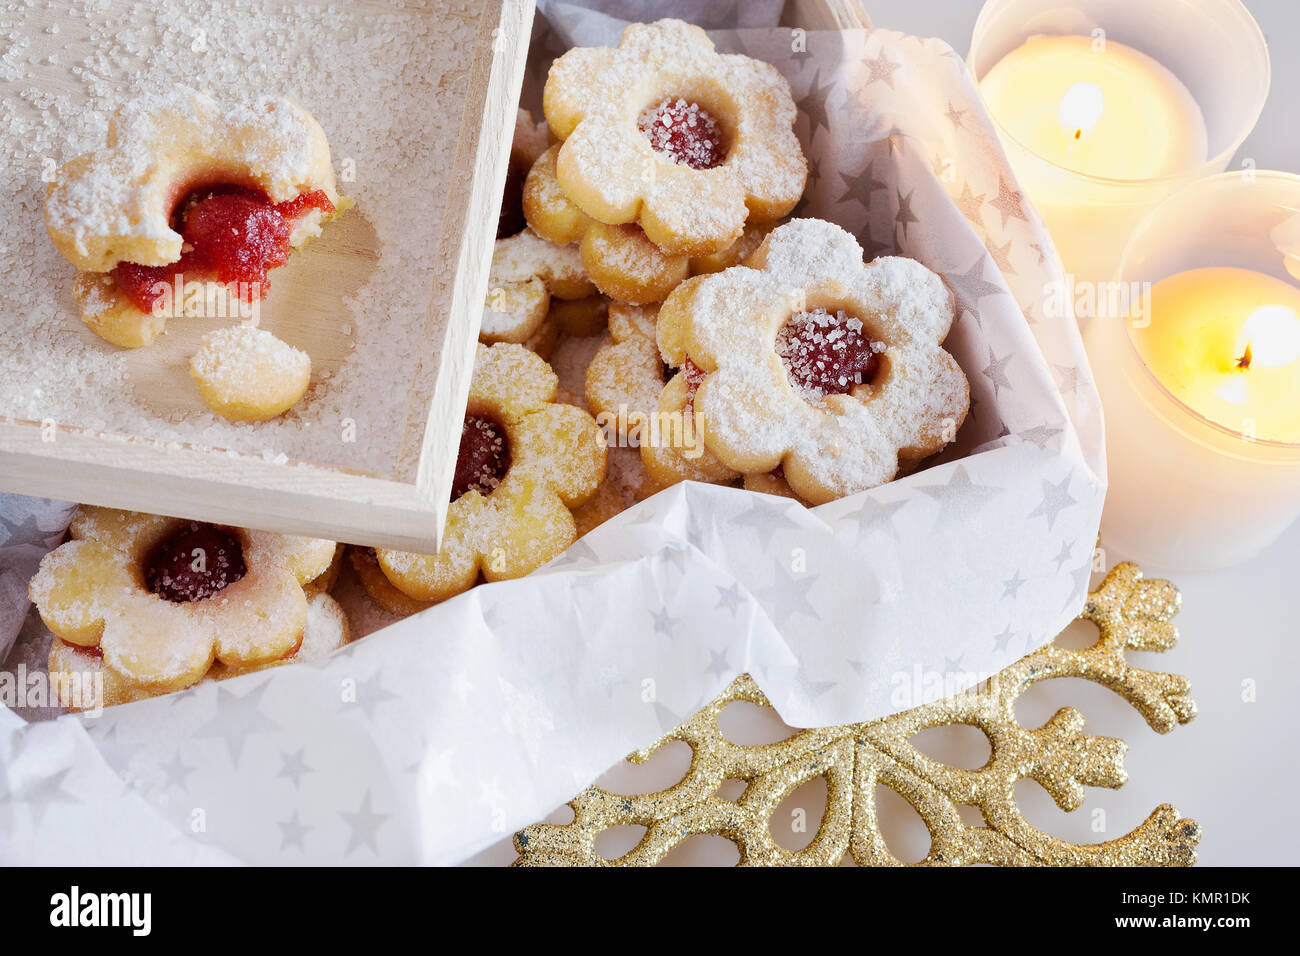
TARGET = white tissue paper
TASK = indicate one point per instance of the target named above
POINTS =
(433, 737)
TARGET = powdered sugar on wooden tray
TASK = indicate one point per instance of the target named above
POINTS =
(66, 68)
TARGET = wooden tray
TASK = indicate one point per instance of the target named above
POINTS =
(397, 499)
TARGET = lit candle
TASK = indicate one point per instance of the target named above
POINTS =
(1079, 115)
(1107, 107)
(1096, 107)
(1226, 343)
(1202, 403)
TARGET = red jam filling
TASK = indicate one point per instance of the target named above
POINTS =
(683, 131)
(194, 564)
(232, 235)
(825, 353)
(484, 457)
(694, 378)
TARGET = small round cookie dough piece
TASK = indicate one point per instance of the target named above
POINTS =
(246, 374)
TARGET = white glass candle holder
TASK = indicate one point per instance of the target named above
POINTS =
(1214, 47)
(1187, 492)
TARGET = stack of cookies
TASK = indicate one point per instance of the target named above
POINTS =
(650, 319)
(693, 334)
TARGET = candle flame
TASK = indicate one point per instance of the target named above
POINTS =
(1081, 107)
(1270, 338)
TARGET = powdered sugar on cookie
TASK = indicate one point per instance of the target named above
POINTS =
(95, 591)
(714, 148)
(526, 271)
(115, 204)
(247, 374)
(754, 418)
(683, 131)
(827, 353)
(525, 462)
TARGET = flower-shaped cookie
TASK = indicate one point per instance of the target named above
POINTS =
(666, 132)
(646, 404)
(187, 208)
(76, 672)
(818, 363)
(115, 204)
(527, 271)
(162, 597)
(524, 462)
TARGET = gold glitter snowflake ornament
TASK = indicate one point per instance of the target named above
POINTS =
(1130, 613)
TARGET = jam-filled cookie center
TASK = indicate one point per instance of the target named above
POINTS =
(685, 132)
(827, 353)
(195, 563)
(483, 459)
(232, 235)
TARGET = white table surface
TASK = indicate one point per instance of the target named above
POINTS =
(1234, 768)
